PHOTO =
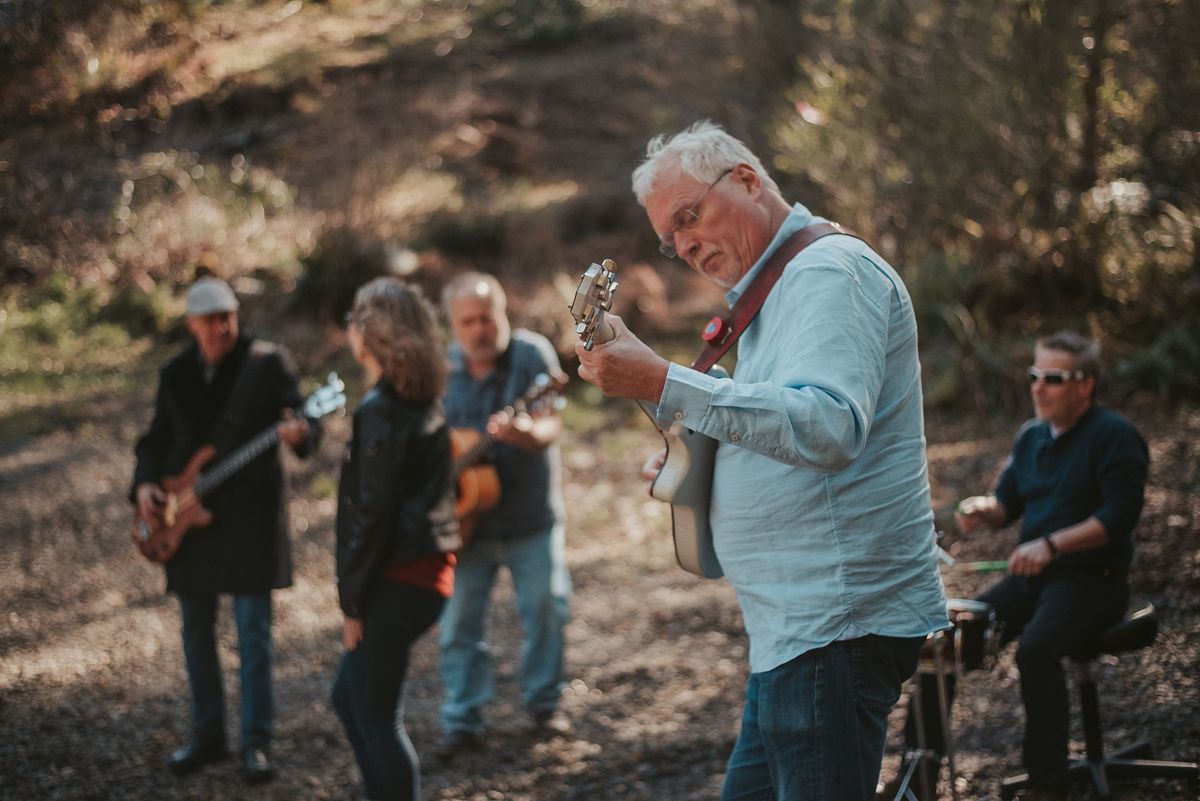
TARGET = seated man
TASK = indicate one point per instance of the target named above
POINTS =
(1076, 477)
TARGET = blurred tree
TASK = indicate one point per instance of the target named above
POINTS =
(1028, 164)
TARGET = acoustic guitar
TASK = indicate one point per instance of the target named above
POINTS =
(159, 539)
(685, 479)
(478, 484)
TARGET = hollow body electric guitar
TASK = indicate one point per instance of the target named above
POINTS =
(478, 484)
(685, 479)
(158, 540)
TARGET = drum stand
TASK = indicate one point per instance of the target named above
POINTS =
(914, 758)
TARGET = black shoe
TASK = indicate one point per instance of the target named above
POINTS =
(256, 766)
(552, 721)
(191, 758)
(457, 741)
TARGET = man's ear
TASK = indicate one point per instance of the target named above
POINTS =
(746, 176)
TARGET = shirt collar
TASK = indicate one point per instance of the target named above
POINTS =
(799, 218)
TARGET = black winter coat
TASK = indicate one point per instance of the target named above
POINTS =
(245, 549)
(396, 493)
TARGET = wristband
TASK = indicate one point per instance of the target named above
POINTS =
(1050, 545)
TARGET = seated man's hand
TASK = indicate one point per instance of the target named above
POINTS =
(977, 512)
(1029, 558)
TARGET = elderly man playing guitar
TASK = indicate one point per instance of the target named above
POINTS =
(820, 507)
(219, 394)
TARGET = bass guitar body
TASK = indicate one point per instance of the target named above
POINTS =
(158, 540)
(478, 484)
(685, 482)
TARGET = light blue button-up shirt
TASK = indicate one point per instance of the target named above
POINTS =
(820, 508)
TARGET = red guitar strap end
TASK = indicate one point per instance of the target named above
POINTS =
(715, 332)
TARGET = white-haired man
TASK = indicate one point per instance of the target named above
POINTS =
(820, 510)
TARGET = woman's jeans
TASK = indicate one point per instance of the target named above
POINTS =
(813, 729)
(368, 691)
(253, 615)
(543, 589)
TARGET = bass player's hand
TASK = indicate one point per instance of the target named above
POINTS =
(150, 501)
(294, 429)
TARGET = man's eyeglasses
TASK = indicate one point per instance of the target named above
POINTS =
(1053, 376)
(685, 219)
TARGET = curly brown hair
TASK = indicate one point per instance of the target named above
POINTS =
(399, 328)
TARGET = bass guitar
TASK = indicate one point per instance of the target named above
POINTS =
(685, 479)
(478, 484)
(159, 539)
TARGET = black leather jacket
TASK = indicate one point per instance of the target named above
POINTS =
(396, 494)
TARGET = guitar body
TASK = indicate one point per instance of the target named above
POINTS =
(158, 540)
(685, 482)
(478, 485)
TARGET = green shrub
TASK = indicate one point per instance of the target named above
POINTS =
(138, 312)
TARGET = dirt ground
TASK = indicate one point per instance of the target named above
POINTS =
(92, 688)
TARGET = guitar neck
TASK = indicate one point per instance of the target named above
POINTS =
(230, 465)
(473, 455)
(651, 410)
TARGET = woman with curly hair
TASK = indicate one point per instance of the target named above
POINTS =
(396, 529)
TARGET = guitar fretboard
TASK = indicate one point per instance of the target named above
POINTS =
(473, 454)
(235, 462)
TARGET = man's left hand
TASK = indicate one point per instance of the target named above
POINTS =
(623, 367)
(293, 430)
(513, 429)
(1029, 558)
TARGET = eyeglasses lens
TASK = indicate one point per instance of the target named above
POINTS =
(1053, 379)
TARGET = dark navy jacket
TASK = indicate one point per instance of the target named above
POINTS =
(1097, 467)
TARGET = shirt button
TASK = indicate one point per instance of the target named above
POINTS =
(679, 415)
(735, 437)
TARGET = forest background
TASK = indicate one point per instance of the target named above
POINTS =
(1027, 165)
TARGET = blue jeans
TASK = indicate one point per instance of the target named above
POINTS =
(543, 590)
(813, 729)
(253, 615)
(368, 691)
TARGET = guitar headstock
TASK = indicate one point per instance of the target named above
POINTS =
(544, 394)
(326, 399)
(593, 298)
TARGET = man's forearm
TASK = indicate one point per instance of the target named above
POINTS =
(1084, 536)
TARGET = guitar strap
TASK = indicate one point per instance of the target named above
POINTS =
(721, 332)
(233, 418)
